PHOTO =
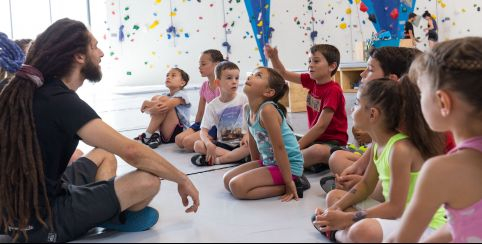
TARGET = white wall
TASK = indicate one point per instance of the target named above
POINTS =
(147, 54)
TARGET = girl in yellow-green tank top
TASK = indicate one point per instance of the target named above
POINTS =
(382, 107)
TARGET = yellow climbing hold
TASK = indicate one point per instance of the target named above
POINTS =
(154, 24)
(343, 26)
(348, 11)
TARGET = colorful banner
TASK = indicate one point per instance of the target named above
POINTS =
(259, 16)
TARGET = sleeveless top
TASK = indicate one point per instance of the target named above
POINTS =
(466, 224)
(265, 147)
(382, 163)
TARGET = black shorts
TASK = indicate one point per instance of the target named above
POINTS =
(84, 204)
(433, 36)
(226, 146)
(178, 130)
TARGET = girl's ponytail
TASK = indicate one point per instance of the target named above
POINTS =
(428, 142)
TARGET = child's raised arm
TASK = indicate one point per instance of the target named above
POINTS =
(271, 120)
(272, 54)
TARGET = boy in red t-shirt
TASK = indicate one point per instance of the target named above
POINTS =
(325, 103)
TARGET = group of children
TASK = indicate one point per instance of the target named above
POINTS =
(408, 111)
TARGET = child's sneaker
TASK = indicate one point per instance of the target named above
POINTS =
(330, 235)
(155, 141)
(302, 184)
(200, 161)
(142, 138)
(135, 221)
(318, 168)
(328, 183)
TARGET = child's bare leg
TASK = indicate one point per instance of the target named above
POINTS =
(156, 121)
(255, 184)
(336, 195)
(364, 231)
(200, 147)
(182, 136)
(159, 98)
(316, 154)
(189, 141)
(340, 160)
(169, 124)
(233, 156)
(239, 170)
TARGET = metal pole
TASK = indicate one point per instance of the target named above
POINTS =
(50, 10)
(11, 18)
(89, 16)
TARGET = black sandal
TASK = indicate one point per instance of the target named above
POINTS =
(330, 235)
(200, 161)
(328, 183)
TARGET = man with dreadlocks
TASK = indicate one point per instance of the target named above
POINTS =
(42, 120)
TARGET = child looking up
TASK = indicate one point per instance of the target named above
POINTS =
(169, 113)
(278, 162)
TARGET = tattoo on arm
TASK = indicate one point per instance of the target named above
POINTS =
(359, 216)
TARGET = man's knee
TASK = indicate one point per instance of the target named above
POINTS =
(149, 182)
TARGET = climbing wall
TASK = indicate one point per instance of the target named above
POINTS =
(142, 39)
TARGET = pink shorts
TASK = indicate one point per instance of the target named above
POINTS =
(276, 174)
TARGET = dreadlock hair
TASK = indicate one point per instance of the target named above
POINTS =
(216, 55)
(184, 76)
(399, 103)
(22, 179)
(454, 65)
(395, 60)
(278, 84)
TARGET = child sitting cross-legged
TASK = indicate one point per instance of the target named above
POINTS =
(278, 162)
(358, 216)
(169, 113)
(226, 114)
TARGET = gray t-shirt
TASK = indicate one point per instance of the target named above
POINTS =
(183, 110)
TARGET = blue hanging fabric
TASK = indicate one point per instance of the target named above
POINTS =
(259, 16)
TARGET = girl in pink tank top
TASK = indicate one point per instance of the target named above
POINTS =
(449, 81)
(209, 90)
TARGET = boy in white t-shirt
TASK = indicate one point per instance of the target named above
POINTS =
(226, 113)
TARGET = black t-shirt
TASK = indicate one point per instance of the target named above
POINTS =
(408, 26)
(59, 114)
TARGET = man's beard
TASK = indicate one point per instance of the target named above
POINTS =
(91, 72)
